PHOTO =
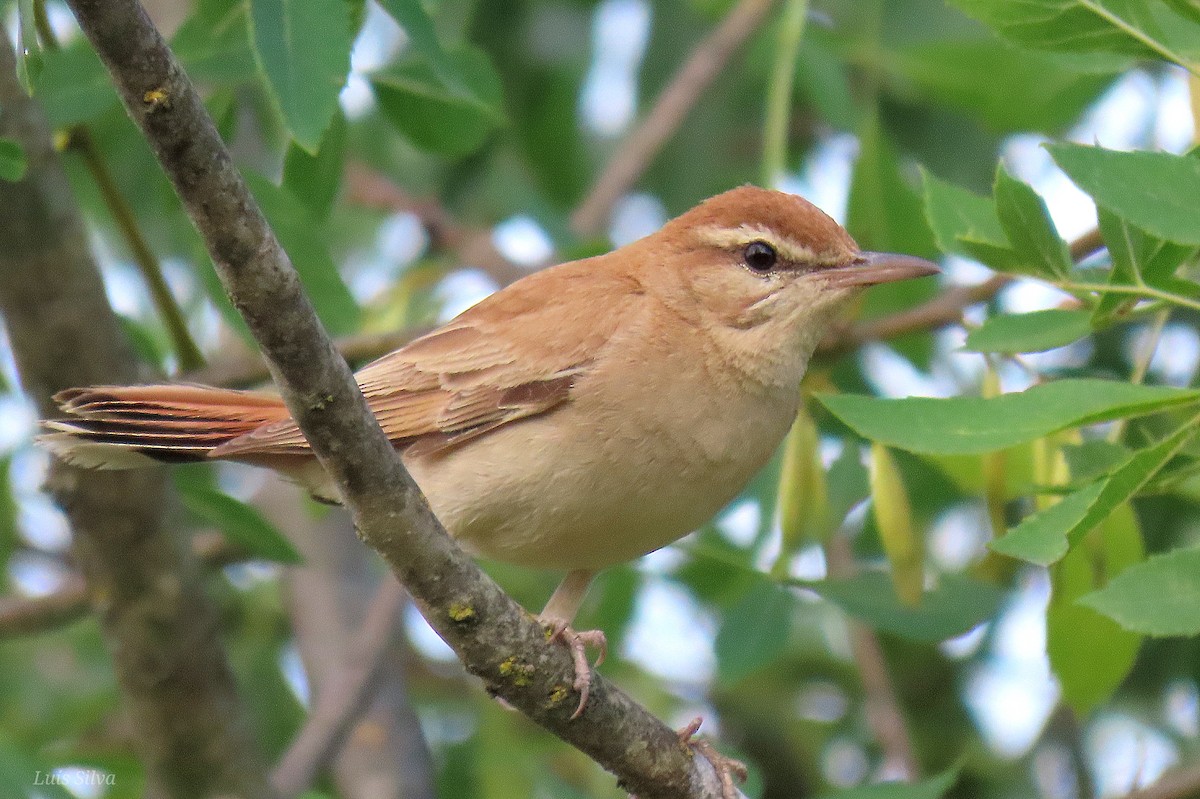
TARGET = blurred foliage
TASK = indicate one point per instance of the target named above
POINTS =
(473, 113)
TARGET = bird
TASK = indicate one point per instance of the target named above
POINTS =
(583, 416)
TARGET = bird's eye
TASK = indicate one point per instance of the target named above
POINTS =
(760, 256)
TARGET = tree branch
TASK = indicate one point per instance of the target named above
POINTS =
(188, 722)
(31, 615)
(341, 701)
(496, 639)
(671, 107)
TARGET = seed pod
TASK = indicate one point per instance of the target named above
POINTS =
(893, 519)
(803, 493)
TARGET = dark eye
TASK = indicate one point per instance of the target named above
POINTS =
(760, 256)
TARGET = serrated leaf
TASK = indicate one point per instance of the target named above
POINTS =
(965, 223)
(1153, 191)
(303, 50)
(932, 788)
(1045, 537)
(964, 425)
(754, 632)
(12, 160)
(1030, 332)
(1137, 257)
(241, 523)
(437, 116)
(1134, 27)
(1159, 597)
(955, 606)
(1028, 227)
(298, 232)
(1089, 653)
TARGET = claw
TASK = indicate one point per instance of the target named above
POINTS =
(577, 642)
(726, 767)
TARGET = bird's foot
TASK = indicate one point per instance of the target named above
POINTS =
(577, 642)
(726, 767)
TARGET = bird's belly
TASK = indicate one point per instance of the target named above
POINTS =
(564, 493)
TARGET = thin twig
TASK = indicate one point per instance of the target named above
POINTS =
(671, 107)
(20, 616)
(342, 699)
(884, 715)
(80, 139)
(471, 246)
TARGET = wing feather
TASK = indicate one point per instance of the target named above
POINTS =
(515, 355)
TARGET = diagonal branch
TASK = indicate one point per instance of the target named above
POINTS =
(671, 107)
(495, 638)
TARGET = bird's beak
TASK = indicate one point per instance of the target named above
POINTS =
(871, 268)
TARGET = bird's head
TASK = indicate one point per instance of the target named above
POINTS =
(764, 270)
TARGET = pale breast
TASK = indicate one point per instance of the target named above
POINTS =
(637, 459)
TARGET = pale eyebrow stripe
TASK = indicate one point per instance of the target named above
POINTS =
(740, 236)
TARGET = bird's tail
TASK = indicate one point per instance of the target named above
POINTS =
(123, 427)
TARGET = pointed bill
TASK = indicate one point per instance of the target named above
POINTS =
(871, 268)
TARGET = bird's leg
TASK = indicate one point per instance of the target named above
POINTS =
(557, 616)
(726, 767)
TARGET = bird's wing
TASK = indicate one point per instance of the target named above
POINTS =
(515, 355)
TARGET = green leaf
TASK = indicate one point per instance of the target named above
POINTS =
(1186, 8)
(1135, 27)
(1044, 537)
(422, 36)
(74, 86)
(1093, 459)
(316, 178)
(932, 788)
(241, 523)
(214, 43)
(438, 116)
(754, 632)
(1089, 653)
(967, 224)
(1158, 597)
(964, 425)
(299, 233)
(303, 50)
(1011, 90)
(1153, 191)
(1030, 332)
(954, 607)
(1137, 257)
(1028, 226)
(12, 160)
(29, 52)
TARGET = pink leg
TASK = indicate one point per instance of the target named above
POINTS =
(726, 767)
(557, 616)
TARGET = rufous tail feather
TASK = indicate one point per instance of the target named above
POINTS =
(123, 427)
